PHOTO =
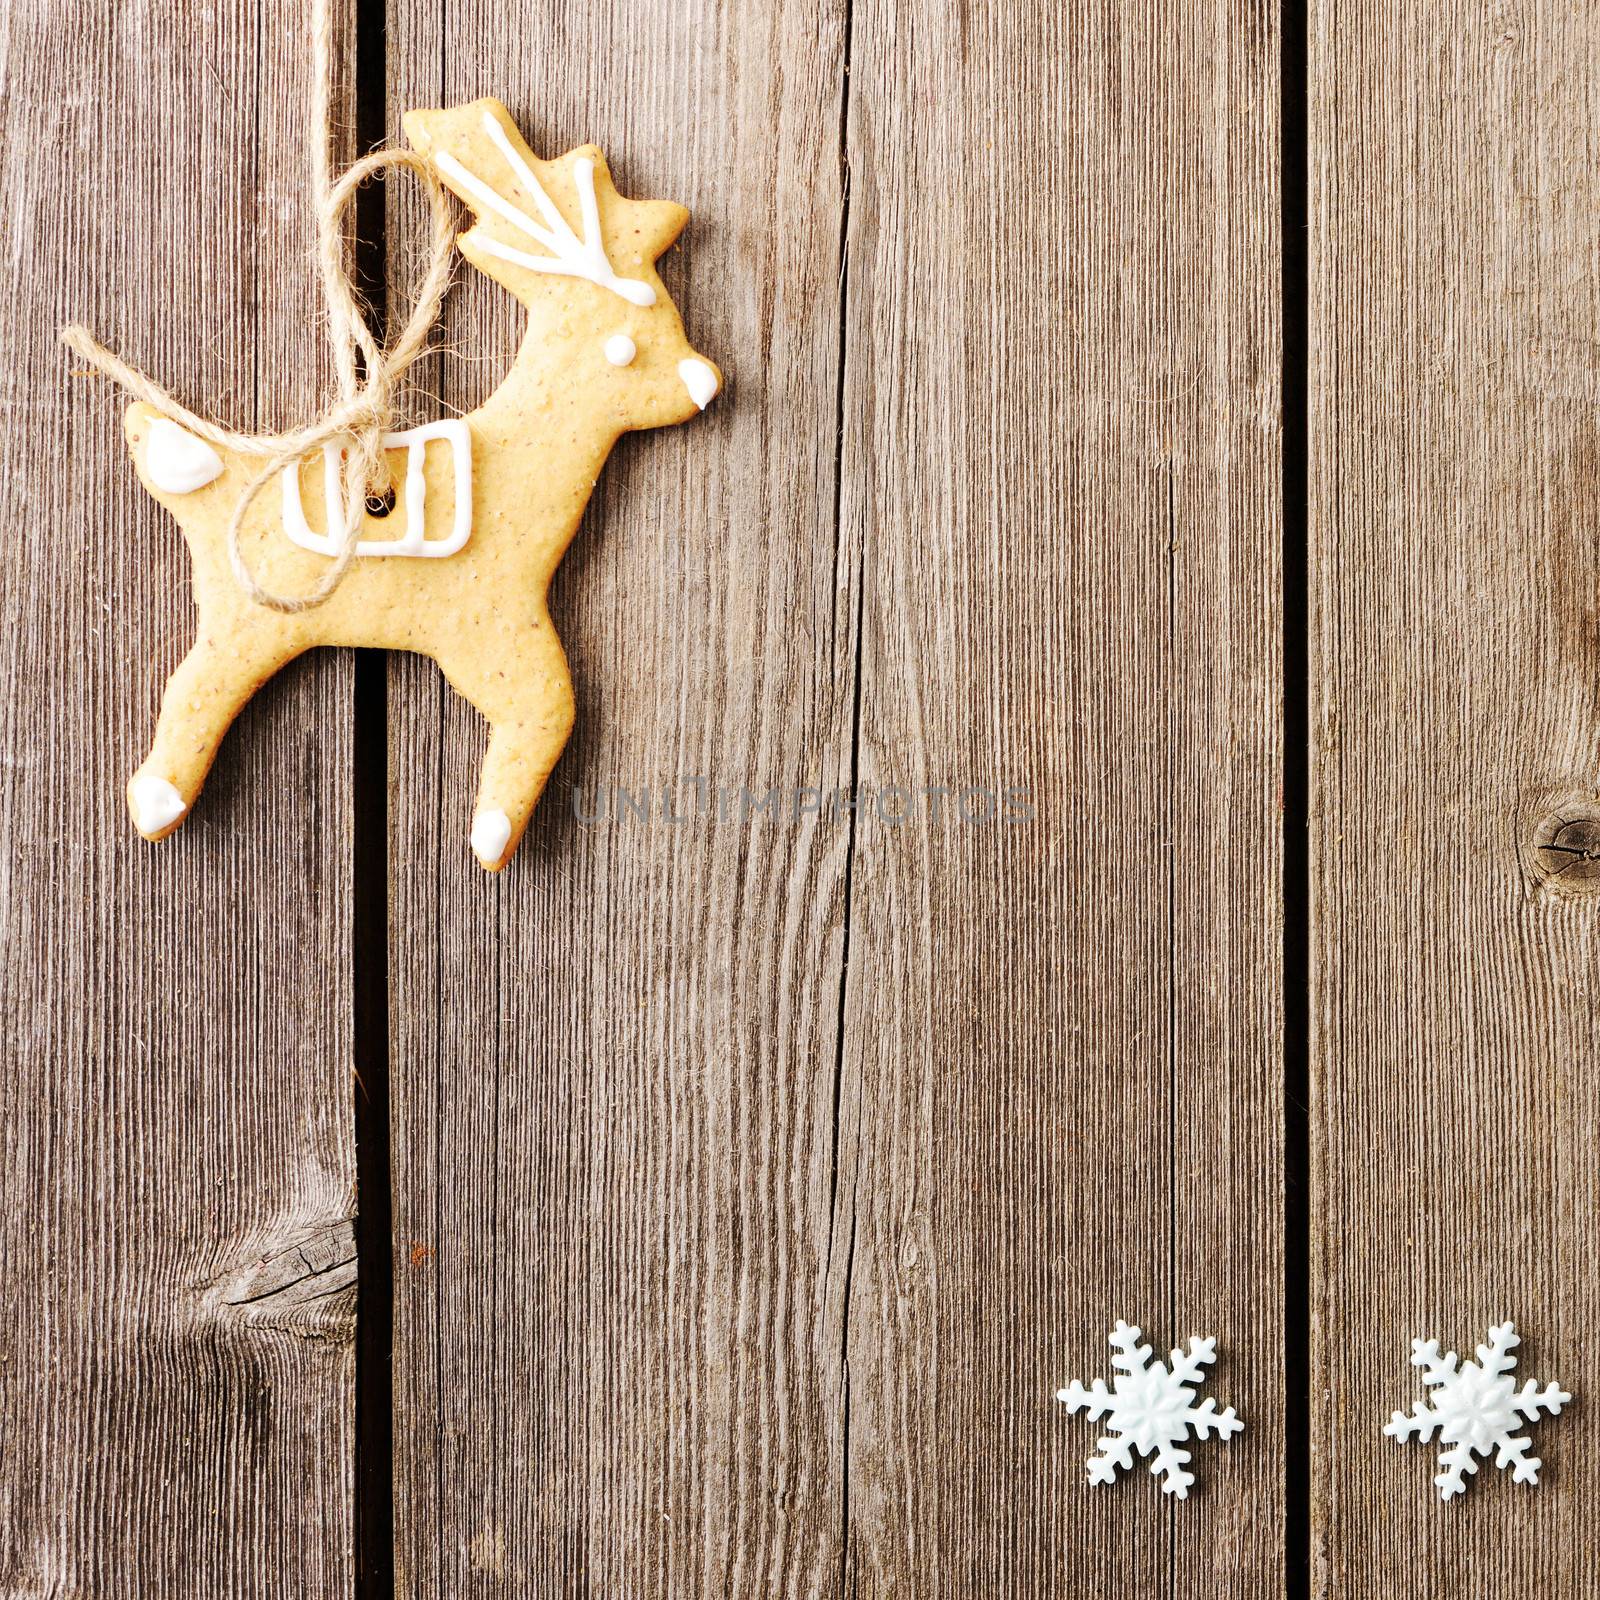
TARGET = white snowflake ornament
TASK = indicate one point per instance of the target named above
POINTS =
(1476, 1408)
(1150, 1410)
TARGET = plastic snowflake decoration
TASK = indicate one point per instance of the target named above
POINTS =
(1150, 1410)
(1476, 1408)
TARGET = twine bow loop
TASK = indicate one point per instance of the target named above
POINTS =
(368, 373)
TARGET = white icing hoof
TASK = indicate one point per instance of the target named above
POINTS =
(178, 463)
(491, 833)
(156, 804)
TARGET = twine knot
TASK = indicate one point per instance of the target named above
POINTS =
(356, 421)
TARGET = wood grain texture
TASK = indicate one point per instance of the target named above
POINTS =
(177, 1163)
(617, 1338)
(1062, 1062)
(1455, 727)
(661, 1276)
(757, 1177)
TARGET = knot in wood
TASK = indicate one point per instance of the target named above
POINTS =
(1570, 853)
(305, 1286)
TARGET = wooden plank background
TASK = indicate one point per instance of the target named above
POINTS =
(619, 1359)
(755, 1184)
(1454, 728)
(175, 1401)
(1062, 1037)
(760, 1190)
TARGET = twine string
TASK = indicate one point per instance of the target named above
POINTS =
(357, 420)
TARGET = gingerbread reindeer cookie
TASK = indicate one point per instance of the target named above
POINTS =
(484, 506)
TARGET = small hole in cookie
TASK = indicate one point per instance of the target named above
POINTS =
(380, 505)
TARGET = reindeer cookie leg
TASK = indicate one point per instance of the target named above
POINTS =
(226, 665)
(522, 687)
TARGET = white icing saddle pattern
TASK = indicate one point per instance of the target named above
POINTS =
(415, 540)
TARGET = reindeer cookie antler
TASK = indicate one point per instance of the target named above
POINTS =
(460, 568)
(569, 256)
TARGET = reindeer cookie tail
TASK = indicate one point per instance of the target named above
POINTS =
(172, 463)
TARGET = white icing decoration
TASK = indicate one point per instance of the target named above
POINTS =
(1150, 1409)
(415, 542)
(491, 833)
(1477, 1408)
(176, 461)
(620, 350)
(156, 804)
(699, 380)
(569, 256)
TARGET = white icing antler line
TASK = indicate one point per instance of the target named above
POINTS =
(569, 256)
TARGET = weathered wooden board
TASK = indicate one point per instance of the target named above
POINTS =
(1455, 730)
(618, 1360)
(177, 1050)
(1061, 1091)
(757, 1178)
(689, 1301)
